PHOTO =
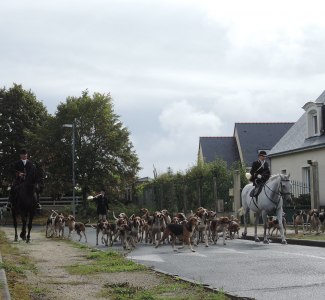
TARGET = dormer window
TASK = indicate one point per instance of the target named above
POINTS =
(315, 125)
(313, 118)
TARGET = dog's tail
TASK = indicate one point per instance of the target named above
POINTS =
(241, 211)
(114, 216)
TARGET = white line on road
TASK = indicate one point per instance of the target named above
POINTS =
(150, 257)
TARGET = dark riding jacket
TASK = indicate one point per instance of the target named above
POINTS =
(20, 168)
(260, 168)
(102, 204)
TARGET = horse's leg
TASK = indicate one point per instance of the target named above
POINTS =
(279, 215)
(14, 219)
(23, 228)
(266, 228)
(30, 225)
(246, 211)
(257, 217)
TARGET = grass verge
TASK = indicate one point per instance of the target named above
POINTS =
(16, 266)
(114, 262)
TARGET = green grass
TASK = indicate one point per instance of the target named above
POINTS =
(104, 262)
(16, 266)
(168, 290)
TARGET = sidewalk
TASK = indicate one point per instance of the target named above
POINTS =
(277, 238)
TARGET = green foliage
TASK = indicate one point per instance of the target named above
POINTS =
(200, 185)
(105, 155)
(21, 115)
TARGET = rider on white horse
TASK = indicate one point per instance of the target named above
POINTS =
(260, 173)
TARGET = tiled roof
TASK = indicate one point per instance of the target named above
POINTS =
(224, 148)
(295, 138)
(259, 136)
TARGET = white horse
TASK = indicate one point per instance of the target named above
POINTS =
(275, 190)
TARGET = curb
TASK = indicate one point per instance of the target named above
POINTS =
(5, 295)
(205, 286)
(313, 243)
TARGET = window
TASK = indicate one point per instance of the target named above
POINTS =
(306, 176)
(315, 125)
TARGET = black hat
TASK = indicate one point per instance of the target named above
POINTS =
(23, 151)
(262, 153)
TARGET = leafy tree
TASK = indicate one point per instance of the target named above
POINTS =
(20, 114)
(104, 154)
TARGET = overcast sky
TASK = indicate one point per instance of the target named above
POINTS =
(176, 69)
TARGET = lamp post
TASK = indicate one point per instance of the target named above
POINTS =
(73, 167)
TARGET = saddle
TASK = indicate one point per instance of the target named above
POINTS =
(256, 191)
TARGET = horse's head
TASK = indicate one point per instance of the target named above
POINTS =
(285, 187)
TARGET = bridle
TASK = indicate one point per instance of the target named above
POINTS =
(279, 192)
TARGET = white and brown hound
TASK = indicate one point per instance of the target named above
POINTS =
(78, 227)
(183, 231)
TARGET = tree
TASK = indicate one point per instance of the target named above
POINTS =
(104, 154)
(20, 114)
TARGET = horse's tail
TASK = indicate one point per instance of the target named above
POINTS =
(241, 211)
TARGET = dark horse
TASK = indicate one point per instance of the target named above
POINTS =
(24, 202)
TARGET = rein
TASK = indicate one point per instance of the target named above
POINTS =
(278, 193)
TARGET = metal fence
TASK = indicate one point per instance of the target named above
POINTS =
(51, 202)
(299, 188)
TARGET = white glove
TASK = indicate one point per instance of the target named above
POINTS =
(259, 176)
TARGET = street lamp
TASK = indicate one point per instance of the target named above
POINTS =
(73, 167)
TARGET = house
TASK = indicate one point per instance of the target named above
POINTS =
(301, 151)
(247, 140)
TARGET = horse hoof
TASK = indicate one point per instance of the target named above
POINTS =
(266, 242)
(257, 240)
(284, 242)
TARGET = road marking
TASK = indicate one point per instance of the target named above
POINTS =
(191, 254)
(300, 254)
(149, 257)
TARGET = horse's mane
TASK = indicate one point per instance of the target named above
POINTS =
(274, 176)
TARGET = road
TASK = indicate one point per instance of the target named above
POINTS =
(242, 268)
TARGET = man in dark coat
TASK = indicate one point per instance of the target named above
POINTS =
(260, 172)
(21, 169)
(102, 205)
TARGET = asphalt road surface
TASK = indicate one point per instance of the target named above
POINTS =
(242, 268)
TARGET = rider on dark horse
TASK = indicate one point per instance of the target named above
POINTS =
(22, 169)
(260, 172)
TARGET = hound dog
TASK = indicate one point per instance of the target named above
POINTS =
(233, 229)
(203, 227)
(157, 226)
(59, 224)
(219, 225)
(322, 221)
(313, 220)
(50, 223)
(78, 227)
(105, 229)
(135, 224)
(182, 231)
(273, 223)
(299, 220)
(147, 224)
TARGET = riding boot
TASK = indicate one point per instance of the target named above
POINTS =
(10, 200)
